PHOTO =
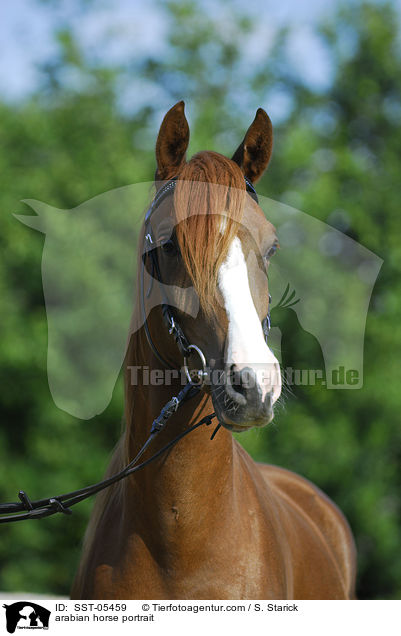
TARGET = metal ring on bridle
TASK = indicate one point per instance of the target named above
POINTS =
(201, 373)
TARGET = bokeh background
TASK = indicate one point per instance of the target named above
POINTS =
(83, 88)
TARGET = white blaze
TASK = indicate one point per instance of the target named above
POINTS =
(246, 346)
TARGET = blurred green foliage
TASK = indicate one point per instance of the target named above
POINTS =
(336, 156)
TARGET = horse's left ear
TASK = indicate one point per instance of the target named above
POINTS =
(172, 142)
(254, 152)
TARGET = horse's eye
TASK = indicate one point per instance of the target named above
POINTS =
(270, 252)
(169, 247)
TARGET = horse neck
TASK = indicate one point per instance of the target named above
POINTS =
(190, 481)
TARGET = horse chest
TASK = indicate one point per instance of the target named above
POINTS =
(221, 570)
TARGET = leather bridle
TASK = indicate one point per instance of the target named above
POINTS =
(171, 323)
(27, 509)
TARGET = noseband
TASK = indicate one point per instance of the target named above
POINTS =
(173, 327)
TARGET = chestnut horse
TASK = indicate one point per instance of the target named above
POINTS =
(204, 521)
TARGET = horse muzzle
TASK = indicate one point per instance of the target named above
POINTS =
(239, 402)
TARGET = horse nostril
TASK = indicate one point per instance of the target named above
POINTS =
(241, 386)
(268, 402)
(234, 387)
(236, 380)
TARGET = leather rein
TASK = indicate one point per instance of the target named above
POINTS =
(27, 509)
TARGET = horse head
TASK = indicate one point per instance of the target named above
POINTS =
(212, 235)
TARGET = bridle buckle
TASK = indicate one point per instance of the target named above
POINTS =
(172, 327)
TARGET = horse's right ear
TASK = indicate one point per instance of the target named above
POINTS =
(172, 143)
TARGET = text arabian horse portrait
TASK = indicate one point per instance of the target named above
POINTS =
(203, 520)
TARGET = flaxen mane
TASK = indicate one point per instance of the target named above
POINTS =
(209, 202)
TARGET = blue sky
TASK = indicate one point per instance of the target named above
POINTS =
(114, 30)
